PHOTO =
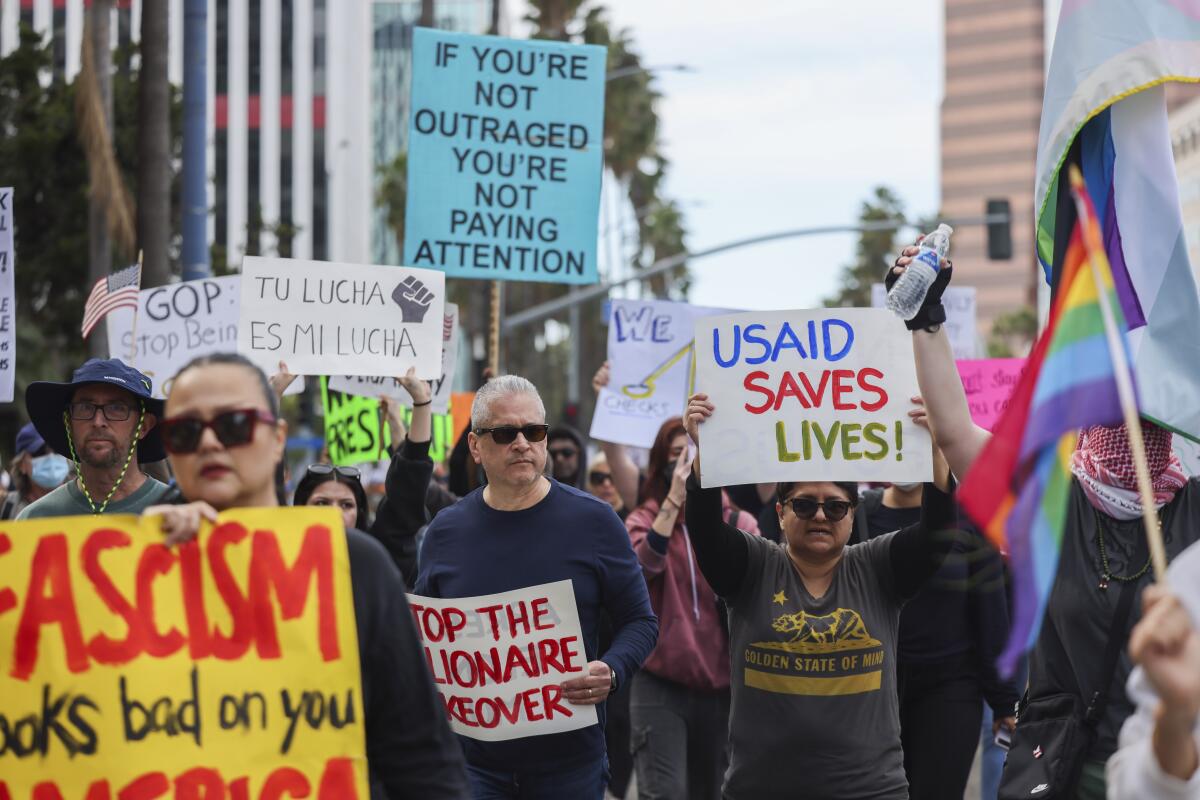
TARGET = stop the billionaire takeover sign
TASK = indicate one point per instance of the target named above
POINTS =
(227, 667)
(499, 660)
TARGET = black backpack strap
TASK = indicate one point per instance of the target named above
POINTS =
(1112, 651)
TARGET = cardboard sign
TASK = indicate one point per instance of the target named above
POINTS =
(221, 667)
(498, 660)
(388, 386)
(343, 319)
(8, 298)
(959, 302)
(177, 323)
(988, 383)
(817, 395)
(650, 355)
(505, 153)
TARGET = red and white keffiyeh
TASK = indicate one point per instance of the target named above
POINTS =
(1103, 464)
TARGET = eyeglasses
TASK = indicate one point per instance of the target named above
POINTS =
(350, 473)
(113, 412)
(806, 508)
(507, 434)
(599, 478)
(181, 435)
(563, 452)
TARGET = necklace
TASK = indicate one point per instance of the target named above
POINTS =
(1106, 574)
(128, 458)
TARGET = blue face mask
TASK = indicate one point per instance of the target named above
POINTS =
(49, 471)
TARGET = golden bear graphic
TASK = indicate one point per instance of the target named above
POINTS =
(843, 629)
(842, 625)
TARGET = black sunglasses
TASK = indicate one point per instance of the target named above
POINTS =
(113, 412)
(507, 434)
(599, 478)
(806, 508)
(350, 473)
(562, 452)
(181, 435)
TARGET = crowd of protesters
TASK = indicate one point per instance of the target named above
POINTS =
(678, 587)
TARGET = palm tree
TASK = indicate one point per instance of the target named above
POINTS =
(392, 194)
(631, 153)
(110, 209)
(154, 137)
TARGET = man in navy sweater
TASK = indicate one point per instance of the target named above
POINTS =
(524, 529)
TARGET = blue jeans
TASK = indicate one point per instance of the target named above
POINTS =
(581, 783)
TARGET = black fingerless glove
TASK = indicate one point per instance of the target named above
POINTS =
(932, 311)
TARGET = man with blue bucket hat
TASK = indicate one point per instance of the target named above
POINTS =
(105, 421)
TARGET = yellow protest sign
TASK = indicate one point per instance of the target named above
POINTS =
(227, 667)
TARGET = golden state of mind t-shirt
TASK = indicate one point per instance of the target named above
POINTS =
(814, 707)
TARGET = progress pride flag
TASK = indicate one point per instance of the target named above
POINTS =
(498, 660)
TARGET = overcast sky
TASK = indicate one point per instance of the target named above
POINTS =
(794, 112)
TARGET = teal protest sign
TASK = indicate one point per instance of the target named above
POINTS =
(505, 156)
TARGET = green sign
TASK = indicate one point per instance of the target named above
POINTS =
(353, 432)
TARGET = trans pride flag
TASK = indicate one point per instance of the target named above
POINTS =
(1018, 487)
(1104, 110)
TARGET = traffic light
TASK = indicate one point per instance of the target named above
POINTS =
(571, 414)
(999, 234)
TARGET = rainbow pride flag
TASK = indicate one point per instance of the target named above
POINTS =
(1105, 109)
(1017, 489)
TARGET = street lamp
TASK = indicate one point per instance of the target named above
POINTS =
(625, 72)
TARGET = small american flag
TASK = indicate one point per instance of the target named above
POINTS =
(119, 290)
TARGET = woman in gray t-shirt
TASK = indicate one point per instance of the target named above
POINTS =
(812, 629)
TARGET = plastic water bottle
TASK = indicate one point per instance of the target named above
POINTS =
(908, 292)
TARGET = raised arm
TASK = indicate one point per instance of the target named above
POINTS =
(281, 380)
(916, 552)
(624, 471)
(401, 513)
(949, 417)
(722, 552)
(1159, 753)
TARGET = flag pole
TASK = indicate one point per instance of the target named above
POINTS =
(133, 325)
(1116, 349)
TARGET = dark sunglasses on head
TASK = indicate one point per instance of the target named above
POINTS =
(563, 452)
(507, 434)
(181, 435)
(350, 473)
(599, 478)
(806, 508)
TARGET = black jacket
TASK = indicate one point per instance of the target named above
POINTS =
(410, 749)
(401, 513)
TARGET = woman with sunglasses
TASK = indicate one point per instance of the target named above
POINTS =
(401, 513)
(679, 706)
(813, 627)
(340, 487)
(600, 483)
(224, 437)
